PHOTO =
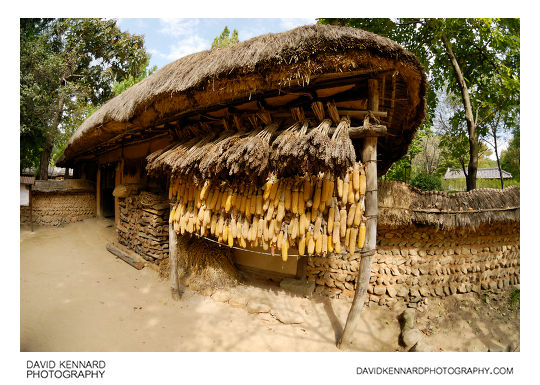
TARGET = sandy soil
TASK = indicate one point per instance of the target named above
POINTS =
(76, 296)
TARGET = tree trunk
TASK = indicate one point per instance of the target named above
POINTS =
(45, 157)
(497, 157)
(469, 117)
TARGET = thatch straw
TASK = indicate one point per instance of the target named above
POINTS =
(314, 146)
(286, 153)
(341, 154)
(402, 205)
(264, 63)
(251, 156)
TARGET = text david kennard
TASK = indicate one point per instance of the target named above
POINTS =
(65, 369)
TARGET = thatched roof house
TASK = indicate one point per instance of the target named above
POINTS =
(269, 75)
(482, 173)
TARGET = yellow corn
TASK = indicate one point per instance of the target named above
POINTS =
(362, 184)
(301, 202)
(353, 240)
(285, 250)
(350, 196)
(356, 177)
(253, 203)
(330, 244)
(225, 233)
(230, 238)
(288, 197)
(340, 187)
(273, 190)
(213, 224)
(171, 215)
(267, 189)
(294, 204)
(307, 189)
(261, 224)
(337, 247)
(232, 227)
(350, 215)
(302, 245)
(358, 215)
(347, 237)
(310, 245)
(302, 224)
(317, 196)
(280, 240)
(361, 236)
(345, 191)
(319, 243)
(281, 208)
(264, 245)
(342, 222)
(259, 204)
(318, 223)
(331, 217)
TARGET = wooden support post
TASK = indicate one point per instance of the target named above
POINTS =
(369, 156)
(173, 272)
(98, 193)
(30, 201)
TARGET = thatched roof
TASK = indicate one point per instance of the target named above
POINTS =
(64, 186)
(292, 68)
(401, 204)
(482, 173)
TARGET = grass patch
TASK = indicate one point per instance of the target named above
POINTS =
(514, 297)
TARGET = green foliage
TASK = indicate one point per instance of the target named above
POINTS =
(510, 157)
(514, 297)
(224, 40)
(488, 53)
(68, 65)
(426, 182)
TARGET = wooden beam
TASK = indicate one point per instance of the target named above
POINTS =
(99, 214)
(173, 264)
(369, 156)
(362, 114)
(126, 257)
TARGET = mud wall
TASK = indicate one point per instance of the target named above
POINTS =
(57, 208)
(421, 261)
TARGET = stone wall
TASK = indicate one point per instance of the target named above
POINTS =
(57, 208)
(415, 261)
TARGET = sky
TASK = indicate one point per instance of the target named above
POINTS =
(170, 39)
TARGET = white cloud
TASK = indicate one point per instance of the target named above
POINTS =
(178, 27)
(187, 46)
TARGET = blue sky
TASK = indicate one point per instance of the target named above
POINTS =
(169, 39)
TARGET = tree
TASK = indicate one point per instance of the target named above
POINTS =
(76, 63)
(510, 157)
(468, 56)
(224, 40)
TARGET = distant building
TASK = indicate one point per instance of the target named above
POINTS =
(482, 173)
(54, 172)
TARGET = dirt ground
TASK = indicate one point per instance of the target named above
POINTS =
(76, 296)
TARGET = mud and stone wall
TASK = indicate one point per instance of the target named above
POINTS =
(57, 208)
(414, 261)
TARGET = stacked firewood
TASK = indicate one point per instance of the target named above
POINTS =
(143, 225)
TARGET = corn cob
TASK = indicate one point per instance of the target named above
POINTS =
(302, 224)
(324, 240)
(302, 245)
(317, 227)
(310, 244)
(213, 224)
(345, 190)
(347, 237)
(253, 203)
(361, 235)
(233, 227)
(301, 202)
(350, 215)
(317, 196)
(358, 215)
(356, 177)
(331, 216)
(225, 233)
(288, 196)
(353, 239)
(330, 244)
(285, 250)
(336, 230)
(337, 247)
(281, 208)
(273, 190)
(219, 226)
(318, 243)
(342, 222)
(280, 240)
(259, 203)
(267, 189)
(171, 215)
(260, 227)
(362, 183)
(340, 187)
(350, 196)
(307, 189)
(264, 245)
(230, 238)
(294, 203)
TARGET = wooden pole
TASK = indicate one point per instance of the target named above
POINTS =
(30, 200)
(98, 193)
(173, 255)
(369, 157)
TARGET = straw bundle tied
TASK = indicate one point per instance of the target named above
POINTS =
(314, 147)
(212, 163)
(285, 150)
(189, 164)
(251, 155)
(341, 154)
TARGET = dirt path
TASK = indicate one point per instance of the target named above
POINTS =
(76, 296)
